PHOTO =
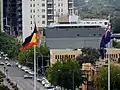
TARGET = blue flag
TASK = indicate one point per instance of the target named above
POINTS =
(105, 40)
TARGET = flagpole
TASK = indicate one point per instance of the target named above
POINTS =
(109, 62)
(34, 67)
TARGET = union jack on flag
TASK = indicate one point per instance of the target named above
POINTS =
(105, 40)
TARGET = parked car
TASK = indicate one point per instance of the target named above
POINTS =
(1, 63)
(28, 77)
(9, 64)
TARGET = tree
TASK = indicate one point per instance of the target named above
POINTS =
(9, 45)
(116, 25)
(88, 55)
(116, 44)
(63, 72)
(27, 55)
(102, 79)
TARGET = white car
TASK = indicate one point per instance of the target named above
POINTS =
(9, 64)
(31, 72)
(20, 66)
(1, 63)
(6, 58)
(28, 77)
(27, 70)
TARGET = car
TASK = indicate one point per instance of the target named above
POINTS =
(31, 72)
(27, 70)
(6, 58)
(1, 63)
(9, 64)
(16, 63)
(51, 88)
(39, 80)
(28, 77)
(6, 62)
(23, 68)
(20, 66)
(47, 85)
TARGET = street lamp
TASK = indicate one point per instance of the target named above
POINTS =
(42, 63)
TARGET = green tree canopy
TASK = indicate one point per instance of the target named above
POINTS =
(102, 80)
(116, 25)
(88, 55)
(64, 72)
(9, 45)
(27, 55)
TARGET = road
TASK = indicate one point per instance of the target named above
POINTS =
(16, 75)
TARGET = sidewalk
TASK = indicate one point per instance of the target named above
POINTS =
(7, 84)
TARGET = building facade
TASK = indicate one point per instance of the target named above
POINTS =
(75, 35)
(59, 54)
(19, 15)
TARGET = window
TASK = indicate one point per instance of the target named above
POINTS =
(43, 5)
(105, 23)
(55, 56)
(33, 5)
(43, 16)
(58, 4)
(31, 28)
(61, 4)
(43, 22)
(61, 10)
(31, 22)
(38, 15)
(34, 10)
(38, 21)
(31, 10)
(43, 10)
(99, 34)
(94, 34)
(30, 5)
(30, 16)
(78, 35)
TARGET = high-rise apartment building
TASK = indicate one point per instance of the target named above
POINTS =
(19, 15)
(43, 12)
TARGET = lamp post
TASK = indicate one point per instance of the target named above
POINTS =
(73, 78)
(42, 62)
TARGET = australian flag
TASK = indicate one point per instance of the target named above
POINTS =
(105, 40)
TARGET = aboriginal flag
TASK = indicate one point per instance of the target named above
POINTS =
(30, 40)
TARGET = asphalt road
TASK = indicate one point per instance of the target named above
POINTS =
(16, 75)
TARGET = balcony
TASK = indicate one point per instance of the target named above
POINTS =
(19, 2)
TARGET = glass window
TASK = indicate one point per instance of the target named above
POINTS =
(30, 16)
(31, 22)
(31, 10)
(34, 10)
(30, 5)
(43, 22)
(43, 10)
(43, 16)
(43, 5)
(33, 5)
